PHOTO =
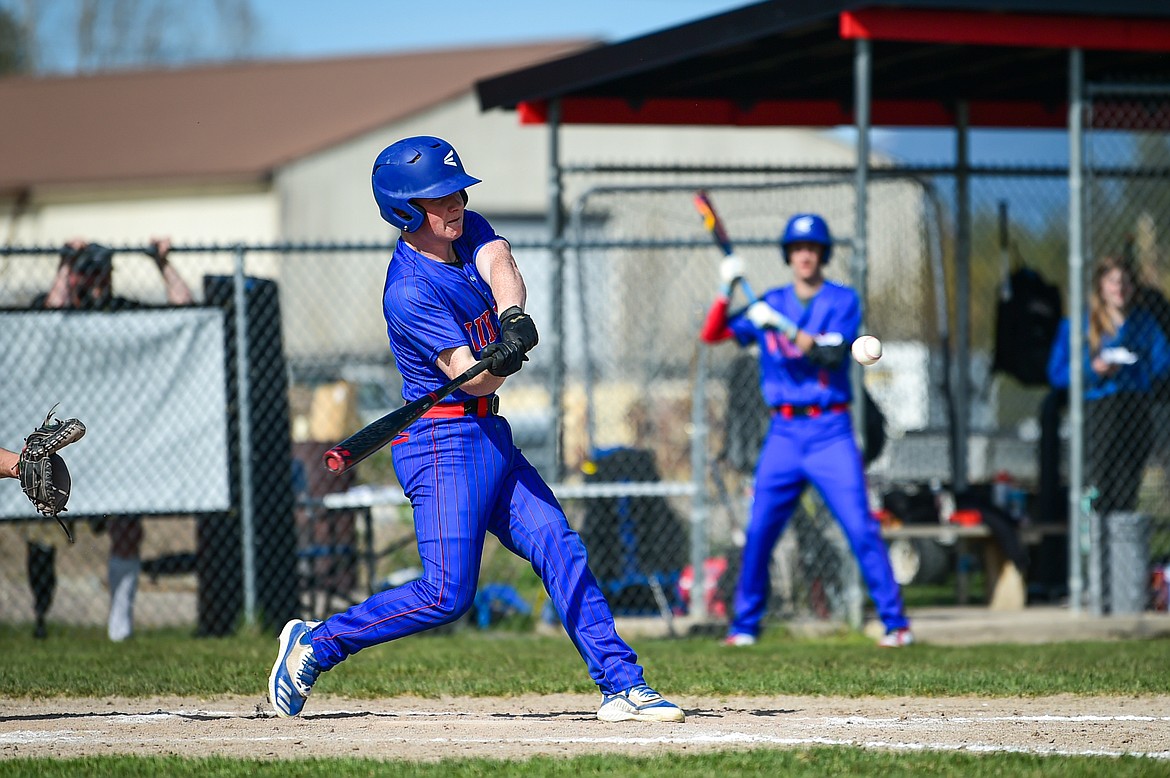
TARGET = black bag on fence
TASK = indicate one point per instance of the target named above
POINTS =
(632, 538)
(875, 429)
(1026, 320)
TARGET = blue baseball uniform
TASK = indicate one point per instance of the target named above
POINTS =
(810, 440)
(465, 477)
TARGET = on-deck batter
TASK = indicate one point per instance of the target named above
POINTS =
(804, 331)
(448, 277)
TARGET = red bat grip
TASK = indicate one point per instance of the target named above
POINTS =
(337, 459)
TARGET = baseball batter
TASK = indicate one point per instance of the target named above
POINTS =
(448, 277)
(804, 331)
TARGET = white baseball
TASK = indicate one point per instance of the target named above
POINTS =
(867, 349)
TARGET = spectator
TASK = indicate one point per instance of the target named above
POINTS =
(84, 281)
(1126, 356)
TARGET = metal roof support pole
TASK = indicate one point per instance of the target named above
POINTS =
(700, 502)
(556, 234)
(1076, 306)
(962, 361)
(243, 402)
(862, 78)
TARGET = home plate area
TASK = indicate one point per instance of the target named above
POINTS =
(522, 726)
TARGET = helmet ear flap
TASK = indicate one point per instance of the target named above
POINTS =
(411, 219)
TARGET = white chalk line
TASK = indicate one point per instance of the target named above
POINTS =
(715, 739)
(920, 719)
(853, 720)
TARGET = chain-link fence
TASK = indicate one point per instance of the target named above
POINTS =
(207, 423)
(1125, 411)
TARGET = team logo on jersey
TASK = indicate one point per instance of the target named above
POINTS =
(481, 331)
(450, 159)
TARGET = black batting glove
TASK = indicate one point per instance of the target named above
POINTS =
(506, 357)
(517, 326)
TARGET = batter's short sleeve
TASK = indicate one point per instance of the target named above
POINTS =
(743, 330)
(477, 232)
(846, 313)
(417, 317)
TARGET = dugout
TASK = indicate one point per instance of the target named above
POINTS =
(871, 63)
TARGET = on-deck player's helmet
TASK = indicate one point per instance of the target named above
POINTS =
(419, 166)
(807, 228)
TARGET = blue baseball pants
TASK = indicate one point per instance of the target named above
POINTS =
(465, 477)
(821, 451)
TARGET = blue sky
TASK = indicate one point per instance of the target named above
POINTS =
(317, 28)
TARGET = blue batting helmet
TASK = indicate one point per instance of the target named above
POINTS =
(807, 228)
(420, 166)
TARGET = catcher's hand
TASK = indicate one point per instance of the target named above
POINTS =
(43, 474)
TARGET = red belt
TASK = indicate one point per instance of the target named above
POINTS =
(810, 411)
(480, 406)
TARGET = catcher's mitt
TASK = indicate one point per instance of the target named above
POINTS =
(43, 474)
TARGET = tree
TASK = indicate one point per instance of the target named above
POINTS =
(13, 55)
(79, 36)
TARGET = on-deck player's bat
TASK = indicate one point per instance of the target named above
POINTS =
(718, 232)
(378, 433)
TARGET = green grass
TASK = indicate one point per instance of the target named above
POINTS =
(77, 661)
(82, 662)
(794, 763)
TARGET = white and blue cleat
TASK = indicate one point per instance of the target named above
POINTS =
(291, 681)
(640, 703)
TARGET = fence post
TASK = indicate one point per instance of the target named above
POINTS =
(556, 231)
(244, 393)
(699, 501)
(1076, 301)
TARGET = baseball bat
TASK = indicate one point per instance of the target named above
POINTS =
(377, 434)
(718, 232)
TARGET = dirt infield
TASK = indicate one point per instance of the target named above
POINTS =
(424, 729)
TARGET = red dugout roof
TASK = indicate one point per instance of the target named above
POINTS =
(790, 62)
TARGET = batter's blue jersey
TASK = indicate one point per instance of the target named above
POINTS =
(786, 377)
(431, 307)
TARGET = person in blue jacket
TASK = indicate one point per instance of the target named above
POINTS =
(1125, 355)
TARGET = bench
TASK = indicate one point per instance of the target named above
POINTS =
(1005, 583)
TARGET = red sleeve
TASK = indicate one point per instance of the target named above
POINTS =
(715, 327)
